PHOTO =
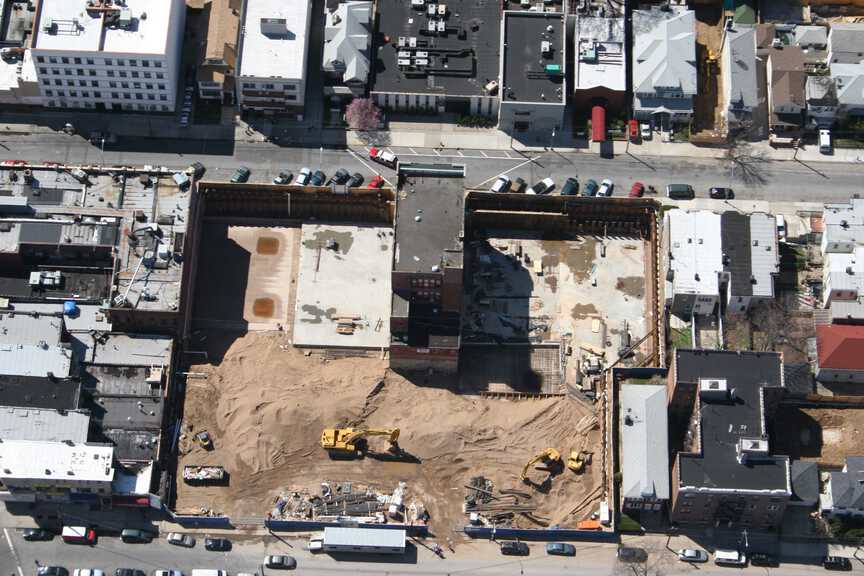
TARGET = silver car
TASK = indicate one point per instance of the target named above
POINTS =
(692, 555)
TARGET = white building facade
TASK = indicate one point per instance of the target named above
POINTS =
(103, 55)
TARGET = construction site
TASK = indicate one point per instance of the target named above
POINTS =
(294, 402)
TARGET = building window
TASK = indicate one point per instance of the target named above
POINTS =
(148, 86)
(61, 93)
(67, 72)
(163, 97)
(136, 85)
(73, 93)
(43, 70)
(110, 73)
(58, 82)
(157, 64)
(49, 92)
(269, 86)
(145, 63)
(134, 74)
(94, 83)
(161, 87)
(115, 95)
(164, 108)
(47, 82)
(248, 85)
(120, 62)
(108, 62)
(122, 74)
(160, 76)
(97, 94)
(124, 85)
(88, 105)
(65, 60)
(112, 84)
(127, 96)
(70, 82)
(291, 97)
(52, 59)
(148, 75)
(151, 96)
(79, 71)
(133, 63)
(290, 87)
(91, 72)
(55, 71)
(77, 60)
(40, 59)
(90, 62)
(85, 94)
(139, 96)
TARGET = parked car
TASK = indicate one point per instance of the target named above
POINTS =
(303, 177)
(560, 549)
(637, 191)
(129, 572)
(136, 536)
(280, 562)
(545, 186)
(765, 560)
(571, 187)
(645, 131)
(283, 178)
(781, 227)
(340, 176)
(501, 185)
(825, 144)
(318, 178)
(721, 193)
(631, 554)
(383, 157)
(519, 185)
(52, 571)
(36, 535)
(184, 119)
(590, 188)
(182, 180)
(730, 558)
(692, 555)
(376, 182)
(13, 163)
(514, 548)
(241, 175)
(355, 180)
(840, 563)
(196, 170)
(217, 544)
(167, 573)
(184, 540)
(87, 572)
(606, 187)
(680, 192)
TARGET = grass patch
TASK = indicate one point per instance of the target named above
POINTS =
(681, 338)
(848, 143)
(627, 524)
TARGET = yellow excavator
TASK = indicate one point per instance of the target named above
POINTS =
(550, 457)
(351, 442)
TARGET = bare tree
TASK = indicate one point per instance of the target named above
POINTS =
(362, 114)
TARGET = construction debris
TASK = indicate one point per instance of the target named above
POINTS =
(203, 474)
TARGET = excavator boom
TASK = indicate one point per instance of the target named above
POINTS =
(349, 440)
(549, 456)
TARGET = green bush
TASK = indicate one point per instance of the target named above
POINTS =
(627, 524)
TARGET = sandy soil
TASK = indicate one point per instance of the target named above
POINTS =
(266, 403)
(825, 435)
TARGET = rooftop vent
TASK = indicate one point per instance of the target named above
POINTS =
(752, 449)
(714, 389)
(274, 27)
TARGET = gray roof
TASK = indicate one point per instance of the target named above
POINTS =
(346, 41)
(35, 360)
(723, 423)
(846, 43)
(645, 441)
(820, 91)
(18, 328)
(664, 51)
(849, 79)
(811, 36)
(847, 487)
(131, 350)
(740, 54)
(87, 234)
(805, 482)
(524, 73)
(764, 253)
(18, 423)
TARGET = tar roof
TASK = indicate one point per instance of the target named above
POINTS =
(275, 39)
(75, 29)
(736, 252)
(20, 423)
(644, 434)
(36, 392)
(530, 73)
(429, 219)
(461, 61)
(723, 423)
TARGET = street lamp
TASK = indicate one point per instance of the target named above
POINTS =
(103, 151)
(321, 158)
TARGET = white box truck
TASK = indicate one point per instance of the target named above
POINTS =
(364, 540)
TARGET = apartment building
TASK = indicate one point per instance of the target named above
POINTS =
(273, 53)
(109, 55)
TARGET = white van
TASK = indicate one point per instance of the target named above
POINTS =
(198, 572)
(825, 141)
(730, 558)
(781, 227)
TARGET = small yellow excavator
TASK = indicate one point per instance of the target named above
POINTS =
(351, 442)
(550, 457)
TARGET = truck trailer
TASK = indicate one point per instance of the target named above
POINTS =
(364, 540)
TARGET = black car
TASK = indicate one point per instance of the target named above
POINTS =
(355, 180)
(240, 175)
(217, 544)
(837, 563)
(571, 187)
(631, 555)
(52, 571)
(36, 534)
(340, 177)
(763, 560)
(318, 178)
(590, 188)
(196, 169)
(514, 548)
(135, 536)
(721, 193)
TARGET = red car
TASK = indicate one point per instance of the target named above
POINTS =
(638, 190)
(376, 182)
(13, 163)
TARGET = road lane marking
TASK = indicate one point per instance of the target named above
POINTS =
(14, 552)
(370, 168)
(484, 154)
(528, 161)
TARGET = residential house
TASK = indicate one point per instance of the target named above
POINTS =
(728, 476)
(644, 448)
(846, 62)
(347, 40)
(600, 74)
(843, 494)
(218, 64)
(693, 249)
(846, 43)
(273, 54)
(786, 82)
(533, 79)
(843, 260)
(821, 95)
(751, 259)
(664, 65)
(838, 353)
(810, 37)
(740, 85)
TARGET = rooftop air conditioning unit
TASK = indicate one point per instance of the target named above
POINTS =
(545, 47)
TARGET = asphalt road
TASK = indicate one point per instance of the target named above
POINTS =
(479, 558)
(751, 178)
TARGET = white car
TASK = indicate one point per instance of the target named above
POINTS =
(88, 572)
(605, 188)
(303, 177)
(167, 573)
(645, 131)
(184, 540)
(184, 119)
(501, 185)
(692, 555)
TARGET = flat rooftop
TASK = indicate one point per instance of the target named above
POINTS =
(600, 59)
(274, 39)
(131, 350)
(40, 360)
(724, 423)
(36, 392)
(25, 459)
(77, 30)
(343, 286)
(17, 423)
(644, 441)
(530, 73)
(120, 380)
(460, 61)
(430, 216)
(30, 329)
